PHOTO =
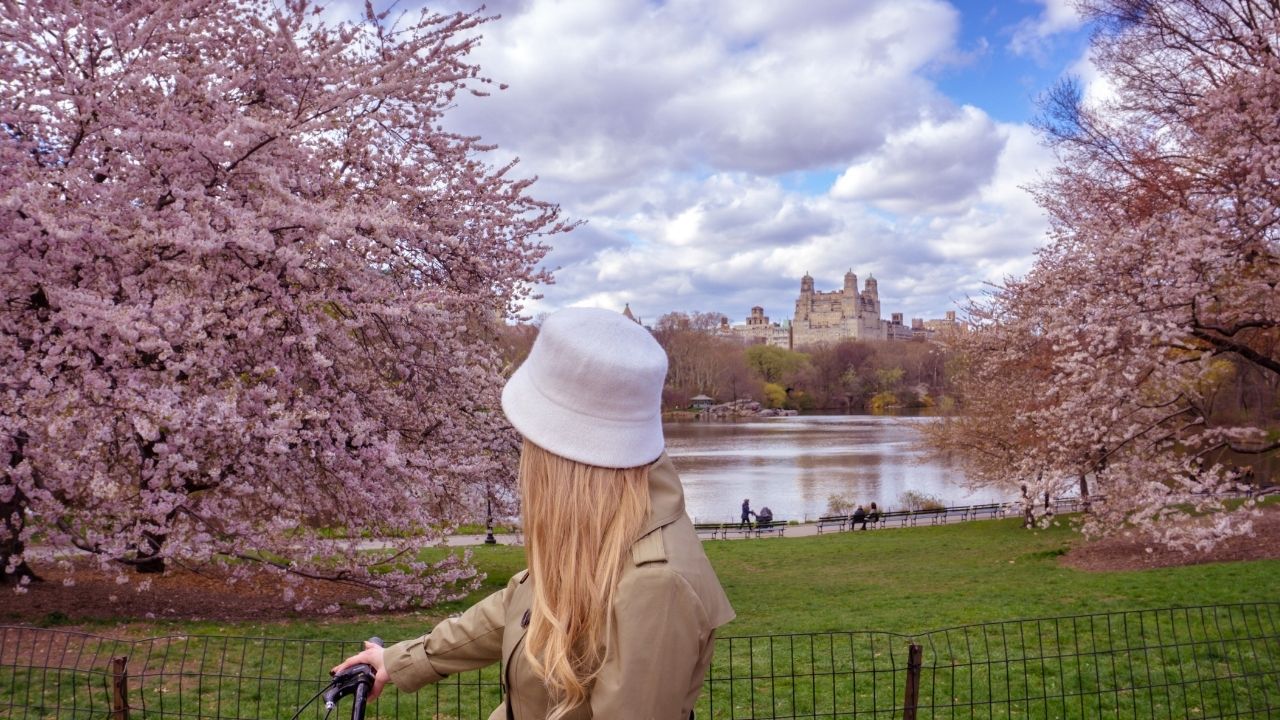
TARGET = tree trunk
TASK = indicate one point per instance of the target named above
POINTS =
(149, 560)
(1028, 512)
(13, 513)
(1085, 502)
(13, 518)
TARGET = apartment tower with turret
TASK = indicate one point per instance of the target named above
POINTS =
(844, 314)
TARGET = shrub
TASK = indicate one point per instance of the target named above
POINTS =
(882, 401)
(775, 396)
(840, 504)
(912, 500)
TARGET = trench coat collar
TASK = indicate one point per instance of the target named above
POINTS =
(666, 495)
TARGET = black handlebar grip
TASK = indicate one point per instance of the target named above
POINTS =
(357, 707)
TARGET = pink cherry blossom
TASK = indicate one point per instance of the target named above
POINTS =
(1104, 369)
(251, 290)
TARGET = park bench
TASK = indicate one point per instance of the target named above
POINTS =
(901, 517)
(774, 526)
(939, 515)
(712, 530)
(934, 516)
(1066, 505)
(836, 521)
(730, 528)
(867, 523)
(975, 512)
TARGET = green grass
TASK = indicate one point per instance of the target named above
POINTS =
(889, 583)
(896, 580)
(918, 579)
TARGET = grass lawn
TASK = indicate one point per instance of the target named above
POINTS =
(919, 579)
(905, 581)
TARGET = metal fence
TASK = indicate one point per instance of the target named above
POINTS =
(1207, 662)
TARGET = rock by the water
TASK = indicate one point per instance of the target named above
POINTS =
(744, 408)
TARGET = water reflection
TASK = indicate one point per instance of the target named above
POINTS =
(793, 464)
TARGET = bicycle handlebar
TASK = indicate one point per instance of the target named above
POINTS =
(357, 681)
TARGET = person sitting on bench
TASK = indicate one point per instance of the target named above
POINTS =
(859, 516)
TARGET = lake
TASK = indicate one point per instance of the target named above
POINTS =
(794, 464)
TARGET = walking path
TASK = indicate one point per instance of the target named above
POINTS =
(805, 529)
(793, 531)
(808, 529)
(925, 518)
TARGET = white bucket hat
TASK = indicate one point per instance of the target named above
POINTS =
(591, 389)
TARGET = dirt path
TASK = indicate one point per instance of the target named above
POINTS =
(180, 594)
(1137, 553)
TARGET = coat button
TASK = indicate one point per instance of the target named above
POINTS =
(524, 621)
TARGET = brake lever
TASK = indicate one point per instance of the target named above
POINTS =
(357, 679)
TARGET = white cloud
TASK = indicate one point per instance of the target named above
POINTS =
(998, 233)
(676, 129)
(731, 241)
(606, 91)
(1097, 90)
(933, 167)
(1058, 16)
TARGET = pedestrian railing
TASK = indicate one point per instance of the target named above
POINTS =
(889, 517)
(1220, 661)
(1198, 662)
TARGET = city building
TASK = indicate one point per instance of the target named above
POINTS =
(833, 316)
(844, 314)
(758, 329)
(949, 324)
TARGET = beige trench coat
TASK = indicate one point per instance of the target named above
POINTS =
(667, 608)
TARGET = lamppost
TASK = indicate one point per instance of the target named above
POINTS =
(489, 539)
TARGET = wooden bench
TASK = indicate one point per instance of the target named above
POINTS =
(1066, 505)
(866, 523)
(713, 530)
(901, 517)
(933, 516)
(974, 512)
(836, 521)
(730, 528)
(774, 526)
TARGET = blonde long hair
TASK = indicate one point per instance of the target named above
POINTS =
(580, 522)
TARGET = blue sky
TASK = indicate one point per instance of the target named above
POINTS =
(719, 149)
(1001, 80)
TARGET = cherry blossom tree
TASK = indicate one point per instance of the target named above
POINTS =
(250, 291)
(1158, 285)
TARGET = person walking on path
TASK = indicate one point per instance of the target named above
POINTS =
(616, 615)
(746, 514)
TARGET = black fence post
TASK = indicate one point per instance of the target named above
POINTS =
(119, 688)
(911, 695)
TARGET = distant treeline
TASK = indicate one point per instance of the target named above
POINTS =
(851, 375)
